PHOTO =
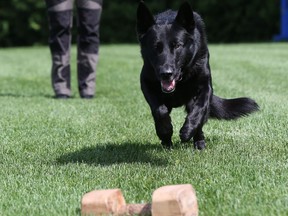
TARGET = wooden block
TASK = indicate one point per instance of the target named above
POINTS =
(102, 202)
(136, 209)
(175, 200)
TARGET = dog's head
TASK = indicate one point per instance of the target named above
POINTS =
(166, 42)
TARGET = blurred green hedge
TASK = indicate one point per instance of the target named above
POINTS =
(24, 22)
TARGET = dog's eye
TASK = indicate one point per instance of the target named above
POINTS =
(158, 47)
(177, 45)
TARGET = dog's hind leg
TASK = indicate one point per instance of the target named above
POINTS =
(199, 139)
(163, 125)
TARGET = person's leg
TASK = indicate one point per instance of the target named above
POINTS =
(89, 14)
(60, 23)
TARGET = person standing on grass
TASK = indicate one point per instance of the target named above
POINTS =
(60, 13)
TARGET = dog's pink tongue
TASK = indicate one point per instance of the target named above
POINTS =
(168, 86)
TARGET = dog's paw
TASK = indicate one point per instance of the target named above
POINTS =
(186, 133)
(199, 144)
(167, 144)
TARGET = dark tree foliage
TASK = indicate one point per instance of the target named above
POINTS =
(24, 22)
(240, 20)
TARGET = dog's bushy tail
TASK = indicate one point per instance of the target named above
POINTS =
(229, 109)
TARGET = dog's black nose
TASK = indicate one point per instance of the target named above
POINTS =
(166, 74)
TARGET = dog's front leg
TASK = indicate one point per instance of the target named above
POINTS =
(197, 114)
(160, 112)
(163, 125)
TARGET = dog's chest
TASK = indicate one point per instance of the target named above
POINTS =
(181, 96)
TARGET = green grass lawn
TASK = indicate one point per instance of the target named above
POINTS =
(54, 151)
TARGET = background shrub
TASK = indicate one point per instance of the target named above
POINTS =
(24, 22)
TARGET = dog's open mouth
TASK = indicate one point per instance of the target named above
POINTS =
(168, 86)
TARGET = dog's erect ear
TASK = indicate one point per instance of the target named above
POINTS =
(144, 19)
(185, 17)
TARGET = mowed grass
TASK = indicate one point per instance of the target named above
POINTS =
(54, 151)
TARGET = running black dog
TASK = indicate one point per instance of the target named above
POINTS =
(176, 72)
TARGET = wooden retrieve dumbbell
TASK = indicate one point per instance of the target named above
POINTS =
(110, 202)
(171, 200)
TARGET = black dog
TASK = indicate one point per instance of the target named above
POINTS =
(176, 72)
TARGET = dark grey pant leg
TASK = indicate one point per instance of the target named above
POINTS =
(89, 14)
(60, 23)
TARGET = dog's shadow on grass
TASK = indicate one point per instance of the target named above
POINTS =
(109, 154)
